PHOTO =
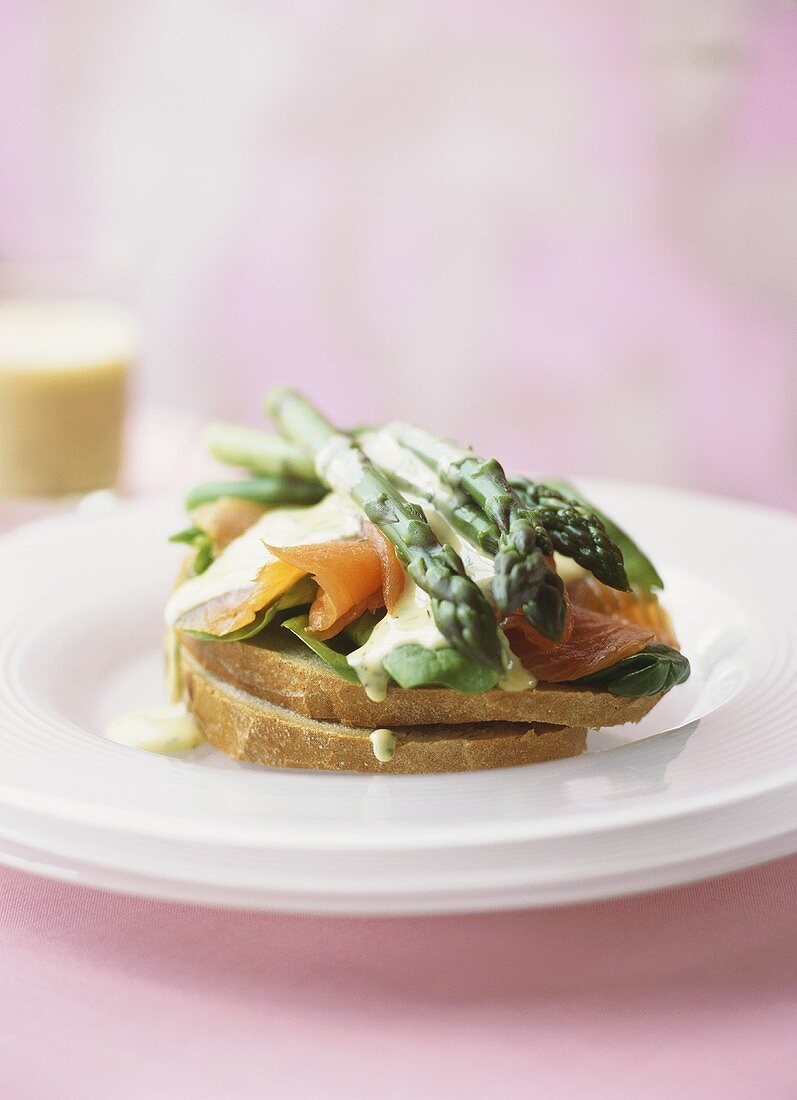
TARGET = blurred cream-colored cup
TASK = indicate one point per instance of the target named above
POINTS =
(64, 368)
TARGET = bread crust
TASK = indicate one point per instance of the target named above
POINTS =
(253, 729)
(276, 667)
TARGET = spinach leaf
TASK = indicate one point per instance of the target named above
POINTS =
(639, 569)
(413, 666)
(202, 544)
(409, 665)
(298, 625)
(361, 629)
(187, 535)
(302, 593)
(654, 669)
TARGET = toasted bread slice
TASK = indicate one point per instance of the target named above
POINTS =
(276, 667)
(251, 728)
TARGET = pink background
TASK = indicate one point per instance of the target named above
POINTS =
(581, 216)
(565, 232)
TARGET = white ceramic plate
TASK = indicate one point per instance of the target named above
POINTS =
(707, 783)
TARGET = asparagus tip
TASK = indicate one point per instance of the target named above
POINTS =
(276, 397)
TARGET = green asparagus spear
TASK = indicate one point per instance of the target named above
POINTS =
(523, 577)
(268, 489)
(460, 610)
(639, 569)
(575, 531)
(460, 511)
(257, 451)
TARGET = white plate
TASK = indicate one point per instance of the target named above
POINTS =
(707, 783)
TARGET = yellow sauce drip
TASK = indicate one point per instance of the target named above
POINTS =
(383, 742)
(159, 729)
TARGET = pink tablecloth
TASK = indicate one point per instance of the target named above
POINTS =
(688, 993)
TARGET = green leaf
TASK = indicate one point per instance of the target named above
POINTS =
(639, 569)
(260, 621)
(203, 556)
(409, 665)
(361, 629)
(302, 594)
(202, 544)
(188, 535)
(268, 489)
(414, 666)
(298, 625)
(654, 669)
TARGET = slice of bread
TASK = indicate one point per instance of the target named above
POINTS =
(276, 667)
(249, 727)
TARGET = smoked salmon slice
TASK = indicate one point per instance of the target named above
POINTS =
(237, 609)
(596, 642)
(353, 575)
(392, 569)
(637, 607)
